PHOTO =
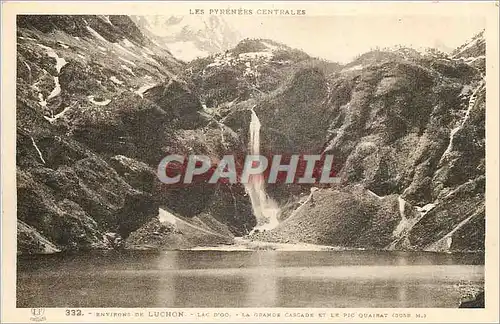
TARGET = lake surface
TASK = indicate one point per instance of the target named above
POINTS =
(246, 279)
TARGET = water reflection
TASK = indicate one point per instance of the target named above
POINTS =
(402, 286)
(166, 288)
(262, 282)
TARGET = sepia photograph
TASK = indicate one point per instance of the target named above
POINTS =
(246, 156)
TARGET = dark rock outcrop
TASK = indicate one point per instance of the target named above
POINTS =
(477, 302)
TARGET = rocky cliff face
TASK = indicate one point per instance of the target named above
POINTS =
(98, 106)
(100, 103)
(408, 131)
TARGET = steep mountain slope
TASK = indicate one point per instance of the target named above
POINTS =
(191, 36)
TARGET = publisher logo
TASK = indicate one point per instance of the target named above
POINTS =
(37, 314)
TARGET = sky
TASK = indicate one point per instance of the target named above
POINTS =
(341, 38)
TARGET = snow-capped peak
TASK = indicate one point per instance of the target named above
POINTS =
(188, 37)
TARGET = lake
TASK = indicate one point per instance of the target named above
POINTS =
(246, 279)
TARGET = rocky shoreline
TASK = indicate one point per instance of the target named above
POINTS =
(475, 301)
(99, 104)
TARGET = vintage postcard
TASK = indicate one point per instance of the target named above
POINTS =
(306, 162)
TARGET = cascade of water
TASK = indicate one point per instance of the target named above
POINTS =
(265, 209)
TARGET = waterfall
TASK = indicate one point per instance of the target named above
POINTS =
(264, 208)
(472, 101)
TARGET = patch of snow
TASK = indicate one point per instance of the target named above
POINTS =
(123, 49)
(60, 62)
(102, 48)
(282, 62)
(127, 43)
(143, 89)
(216, 63)
(28, 67)
(425, 209)
(155, 42)
(42, 101)
(128, 69)
(37, 149)
(470, 60)
(63, 45)
(96, 34)
(256, 55)
(29, 38)
(57, 116)
(99, 103)
(77, 38)
(82, 56)
(106, 19)
(115, 80)
(186, 51)
(127, 61)
(166, 217)
(149, 58)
